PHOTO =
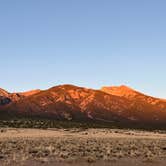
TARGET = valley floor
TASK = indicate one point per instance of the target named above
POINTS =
(95, 147)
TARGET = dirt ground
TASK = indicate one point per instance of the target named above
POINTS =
(79, 147)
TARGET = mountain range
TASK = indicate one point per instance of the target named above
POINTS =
(117, 104)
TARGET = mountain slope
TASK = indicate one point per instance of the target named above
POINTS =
(30, 93)
(7, 98)
(71, 102)
(4, 97)
(76, 103)
(136, 97)
(3, 92)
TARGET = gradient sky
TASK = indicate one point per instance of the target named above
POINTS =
(90, 43)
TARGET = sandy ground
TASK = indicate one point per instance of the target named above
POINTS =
(95, 147)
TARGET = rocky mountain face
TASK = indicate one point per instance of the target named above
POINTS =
(7, 98)
(136, 97)
(110, 104)
(4, 97)
(3, 92)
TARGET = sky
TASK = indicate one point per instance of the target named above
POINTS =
(91, 43)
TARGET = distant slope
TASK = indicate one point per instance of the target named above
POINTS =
(136, 97)
(117, 104)
(30, 93)
(7, 98)
(71, 102)
(3, 93)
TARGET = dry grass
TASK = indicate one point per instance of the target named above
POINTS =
(51, 147)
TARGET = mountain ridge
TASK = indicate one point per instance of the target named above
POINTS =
(69, 102)
(126, 89)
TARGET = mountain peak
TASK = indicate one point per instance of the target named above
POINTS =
(121, 90)
(124, 87)
(117, 104)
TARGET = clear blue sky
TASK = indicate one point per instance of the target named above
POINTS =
(83, 42)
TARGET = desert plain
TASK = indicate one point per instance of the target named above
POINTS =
(76, 146)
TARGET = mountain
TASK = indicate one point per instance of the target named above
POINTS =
(4, 97)
(3, 92)
(7, 98)
(136, 97)
(72, 103)
(30, 93)
(110, 104)
(123, 91)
